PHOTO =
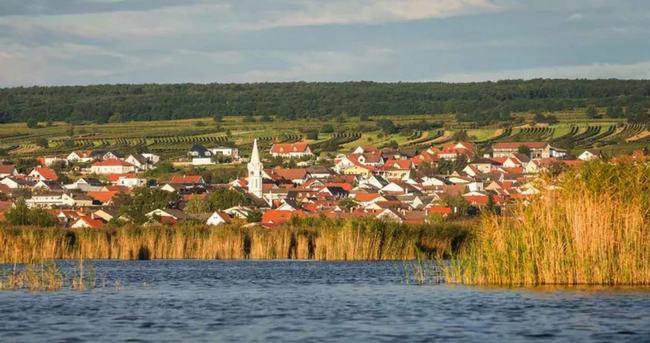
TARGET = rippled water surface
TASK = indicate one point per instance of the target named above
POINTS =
(312, 301)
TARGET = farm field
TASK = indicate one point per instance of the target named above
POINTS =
(172, 138)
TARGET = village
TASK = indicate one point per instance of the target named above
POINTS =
(389, 184)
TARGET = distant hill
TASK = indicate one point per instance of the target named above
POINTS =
(115, 103)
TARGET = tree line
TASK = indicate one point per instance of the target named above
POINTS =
(471, 101)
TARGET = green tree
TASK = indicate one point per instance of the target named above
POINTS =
(592, 112)
(223, 198)
(218, 118)
(145, 200)
(41, 141)
(197, 205)
(347, 203)
(386, 126)
(523, 149)
(254, 217)
(32, 123)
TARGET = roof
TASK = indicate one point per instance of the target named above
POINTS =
(290, 173)
(7, 168)
(91, 222)
(398, 164)
(186, 179)
(112, 162)
(116, 177)
(275, 217)
(516, 145)
(102, 196)
(46, 173)
(285, 148)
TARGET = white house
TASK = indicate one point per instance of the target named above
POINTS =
(218, 218)
(112, 166)
(80, 156)
(226, 151)
(139, 161)
(200, 155)
(589, 155)
(131, 182)
(291, 150)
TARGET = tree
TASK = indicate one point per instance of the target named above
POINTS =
(312, 134)
(592, 112)
(23, 215)
(254, 217)
(32, 123)
(42, 142)
(223, 198)
(348, 203)
(197, 205)
(145, 200)
(386, 126)
(218, 118)
(523, 149)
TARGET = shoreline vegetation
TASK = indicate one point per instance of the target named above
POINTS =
(591, 228)
(311, 238)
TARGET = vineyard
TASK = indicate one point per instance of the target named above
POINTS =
(171, 139)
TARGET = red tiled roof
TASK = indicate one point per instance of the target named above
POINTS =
(7, 168)
(285, 148)
(346, 186)
(93, 223)
(116, 177)
(290, 173)
(102, 196)
(365, 197)
(186, 179)
(398, 164)
(276, 217)
(46, 173)
(439, 210)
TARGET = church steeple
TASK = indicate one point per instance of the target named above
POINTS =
(255, 172)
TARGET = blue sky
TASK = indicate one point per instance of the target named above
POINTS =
(58, 42)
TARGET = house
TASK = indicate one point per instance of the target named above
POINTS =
(112, 166)
(590, 155)
(537, 149)
(85, 184)
(453, 151)
(232, 153)
(17, 182)
(48, 161)
(131, 181)
(396, 169)
(295, 175)
(8, 170)
(88, 222)
(139, 161)
(50, 200)
(83, 156)
(44, 174)
(187, 180)
(200, 155)
(291, 150)
(218, 218)
(103, 197)
(167, 215)
(277, 217)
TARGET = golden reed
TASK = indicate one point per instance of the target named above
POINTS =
(593, 229)
(319, 239)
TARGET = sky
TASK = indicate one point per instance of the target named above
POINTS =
(79, 42)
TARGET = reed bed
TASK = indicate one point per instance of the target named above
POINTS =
(46, 276)
(593, 229)
(320, 239)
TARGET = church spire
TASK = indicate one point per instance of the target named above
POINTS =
(255, 172)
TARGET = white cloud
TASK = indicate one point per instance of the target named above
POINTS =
(640, 70)
(317, 66)
(367, 12)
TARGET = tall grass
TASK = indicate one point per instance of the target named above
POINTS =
(593, 229)
(46, 276)
(310, 238)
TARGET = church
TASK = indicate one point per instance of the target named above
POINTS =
(255, 169)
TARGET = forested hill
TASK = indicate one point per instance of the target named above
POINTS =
(104, 103)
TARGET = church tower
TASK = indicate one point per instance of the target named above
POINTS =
(255, 172)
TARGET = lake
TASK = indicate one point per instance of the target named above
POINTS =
(312, 301)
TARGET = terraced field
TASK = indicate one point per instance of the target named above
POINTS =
(172, 138)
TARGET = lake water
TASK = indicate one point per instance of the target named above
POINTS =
(312, 301)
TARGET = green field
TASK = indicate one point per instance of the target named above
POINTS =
(172, 138)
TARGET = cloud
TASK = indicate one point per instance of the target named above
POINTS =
(318, 66)
(308, 13)
(639, 70)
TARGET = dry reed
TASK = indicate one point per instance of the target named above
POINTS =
(310, 238)
(593, 229)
